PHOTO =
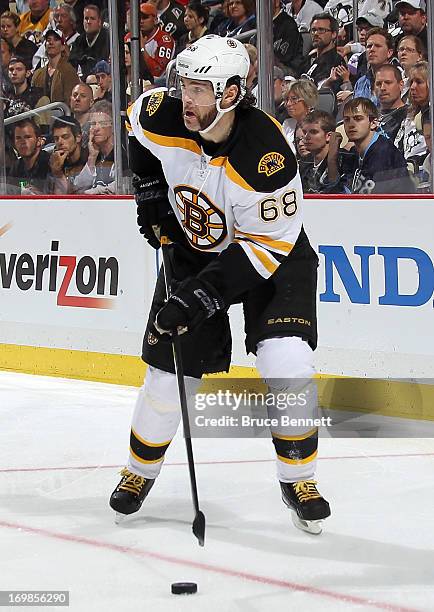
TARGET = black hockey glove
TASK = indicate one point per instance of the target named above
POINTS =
(152, 206)
(192, 302)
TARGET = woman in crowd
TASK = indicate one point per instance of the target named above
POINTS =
(195, 20)
(300, 98)
(410, 51)
(21, 47)
(242, 18)
(410, 140)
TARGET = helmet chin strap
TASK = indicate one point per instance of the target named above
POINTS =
(220, 112)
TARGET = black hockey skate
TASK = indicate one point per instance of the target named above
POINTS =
(130, 494)
(308, 507)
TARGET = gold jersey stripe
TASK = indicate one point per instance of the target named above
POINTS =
(173, 141)
(140, 460)
(153, 444)
(218, 161)
(298, 461)
(275, 122)
(264, 259)
(280, 245)
(233, 175)
(304, 436)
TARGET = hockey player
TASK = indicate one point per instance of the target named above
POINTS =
(217, 176)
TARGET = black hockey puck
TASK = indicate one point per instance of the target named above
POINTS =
(184, 588)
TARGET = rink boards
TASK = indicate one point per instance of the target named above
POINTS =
(76, 280)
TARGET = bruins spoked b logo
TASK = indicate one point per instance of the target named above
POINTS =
(204, 224)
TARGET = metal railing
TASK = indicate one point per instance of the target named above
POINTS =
(37, 111)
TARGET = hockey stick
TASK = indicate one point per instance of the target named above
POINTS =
(199, 520)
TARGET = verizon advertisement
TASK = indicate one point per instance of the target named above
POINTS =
(71, 272)
(78, 275)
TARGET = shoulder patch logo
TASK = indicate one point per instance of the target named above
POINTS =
(154, 102)
(271, 163)
(231, 43)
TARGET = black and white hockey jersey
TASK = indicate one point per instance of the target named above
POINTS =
(242, 201)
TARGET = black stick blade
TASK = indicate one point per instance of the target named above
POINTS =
(199, 527)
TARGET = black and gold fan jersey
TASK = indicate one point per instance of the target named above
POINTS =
(241, 199)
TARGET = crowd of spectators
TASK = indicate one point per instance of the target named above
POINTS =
(355, 112)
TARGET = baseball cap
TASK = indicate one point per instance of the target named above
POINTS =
(148, 9)
(374, 20)
(416, 4)
(102, 66)
(56, 33)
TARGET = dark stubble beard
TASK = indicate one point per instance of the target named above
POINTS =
(207, 119)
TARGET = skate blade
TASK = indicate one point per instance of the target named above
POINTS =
(119, 518)
(313, 527)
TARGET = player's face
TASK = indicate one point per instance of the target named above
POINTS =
(315, 138)
(198, 104)
(358, 126)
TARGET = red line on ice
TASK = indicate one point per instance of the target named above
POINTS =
(216, 569)
(177, 463)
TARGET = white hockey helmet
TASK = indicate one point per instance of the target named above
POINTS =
(215, 59)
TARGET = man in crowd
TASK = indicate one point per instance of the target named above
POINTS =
(92, 45)
(69, 157)
(379, 51)
(97, 175)
(318, 127)
(58, 78)
(171, 15)
(412, 19)
(376, 166)
(78, 7)
(324, 31)
(388, 89)
(65, 22)
(103, 76)
(80, 104)
(35, 21)
(157, 46)
(24, 97)
(29, 173)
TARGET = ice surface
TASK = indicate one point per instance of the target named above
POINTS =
(62, 444)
